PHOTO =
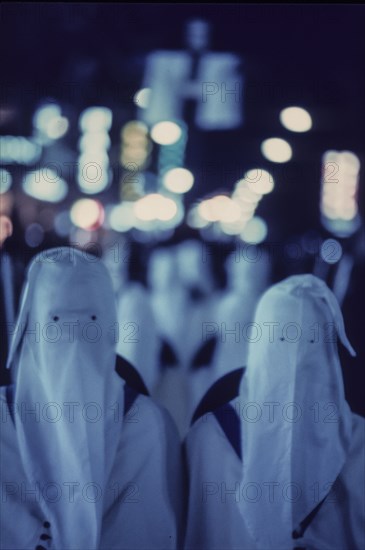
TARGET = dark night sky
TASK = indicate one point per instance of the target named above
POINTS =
(312, 55)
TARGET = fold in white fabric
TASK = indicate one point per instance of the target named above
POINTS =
(297, 436)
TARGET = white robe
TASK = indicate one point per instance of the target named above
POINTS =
(200, 370)
(216, 489)
(183, 385)
(195, 277)
(142, 498)
(214, 521)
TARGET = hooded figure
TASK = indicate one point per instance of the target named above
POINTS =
(138, 339)
(169, 307)
(247, 280)
(201, 298)
(74, 466)
(167, 297)
(309, 445)
(299, 482)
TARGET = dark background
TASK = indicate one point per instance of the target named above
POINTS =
(310, 55)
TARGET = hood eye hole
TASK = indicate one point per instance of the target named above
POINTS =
(311, 341)
(282, 339)
(93, 317)
(55, 318)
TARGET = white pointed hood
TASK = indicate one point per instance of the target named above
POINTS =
(297, 429)
(65, 371)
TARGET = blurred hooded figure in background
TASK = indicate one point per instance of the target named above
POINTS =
(197, 281)
(85, 463)
(169, 308)
(291, 453)
(183, 298)
(247, 280)
(138, 340)
(168, 298)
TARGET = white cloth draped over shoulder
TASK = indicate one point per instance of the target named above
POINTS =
(67, 432)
